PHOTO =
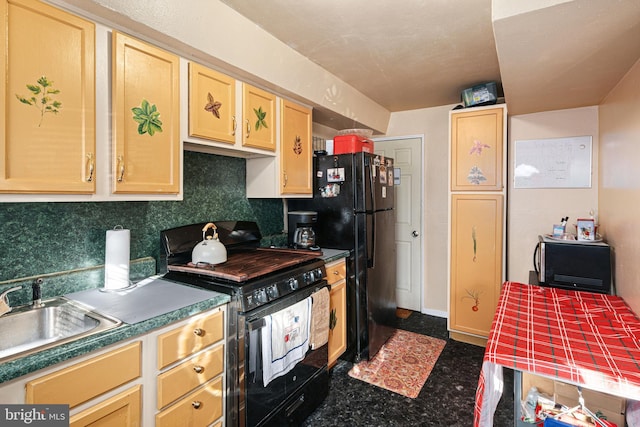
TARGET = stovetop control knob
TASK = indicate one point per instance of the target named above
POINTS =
(308, 277)
(293, 284)
(260, 296)
(272, 292)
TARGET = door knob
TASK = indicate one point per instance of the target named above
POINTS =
(414, 233)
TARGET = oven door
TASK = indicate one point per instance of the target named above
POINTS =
(284, 400)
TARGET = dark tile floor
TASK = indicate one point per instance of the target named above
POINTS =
(446, 399)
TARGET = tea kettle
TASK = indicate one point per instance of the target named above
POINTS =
(210, 250)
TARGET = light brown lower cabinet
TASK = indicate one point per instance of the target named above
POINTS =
(171, 376)
(336, 277)
(88, 379)
(122, 410)
(476, 263)
(190, 382)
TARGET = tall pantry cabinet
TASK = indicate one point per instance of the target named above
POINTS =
(477, 221)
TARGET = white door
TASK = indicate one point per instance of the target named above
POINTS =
(407, 155)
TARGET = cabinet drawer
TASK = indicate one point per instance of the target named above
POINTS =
(86, 380)
(188, 339)
(122, 410)
(200, 408)
(188, 375)
(336, 271)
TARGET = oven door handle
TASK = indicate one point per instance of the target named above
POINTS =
(256, 324)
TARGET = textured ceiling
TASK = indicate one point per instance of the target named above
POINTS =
(413, 54)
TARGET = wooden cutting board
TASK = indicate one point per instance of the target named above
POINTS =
(244, 266)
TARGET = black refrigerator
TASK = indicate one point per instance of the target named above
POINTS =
(354, 198)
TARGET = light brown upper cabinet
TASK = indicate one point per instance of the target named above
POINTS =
(476, 150)
(212, 104)
(47, 70)
(259, 118)
(295, 149)
(146, 118)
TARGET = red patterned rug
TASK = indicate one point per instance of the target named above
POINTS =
(402, 365)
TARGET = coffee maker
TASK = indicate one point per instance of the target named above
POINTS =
(301, 233)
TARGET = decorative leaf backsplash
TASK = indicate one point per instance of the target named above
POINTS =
(148, 118)
(41, 97)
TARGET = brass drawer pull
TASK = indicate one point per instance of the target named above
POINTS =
(198, 369)
(199, 332)
(196, 404)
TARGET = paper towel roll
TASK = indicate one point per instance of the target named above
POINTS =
(116, 259)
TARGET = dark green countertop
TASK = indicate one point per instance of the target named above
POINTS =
(42, 359)
(39, 360)
(329, 255)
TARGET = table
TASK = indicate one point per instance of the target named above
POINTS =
(584, 338)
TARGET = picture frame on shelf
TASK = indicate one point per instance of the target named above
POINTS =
(586, 229)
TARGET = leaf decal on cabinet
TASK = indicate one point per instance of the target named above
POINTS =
(478, 147)
(297, 145)
(213, 106)
(475, 296)
(261, 115)
(475, 243)
(41, 97)
(476, 176)
(148, 118)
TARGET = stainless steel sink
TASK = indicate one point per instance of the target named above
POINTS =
(26, 330)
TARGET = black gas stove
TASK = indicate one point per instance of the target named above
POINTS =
(261, 282)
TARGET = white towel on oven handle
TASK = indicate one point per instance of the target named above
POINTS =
(285, 339)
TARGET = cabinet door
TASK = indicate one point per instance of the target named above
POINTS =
(337, 321)
(146, 119)
(295, 149)
(123, 410)
(70, 386)
(476, 150)
(212, 104)
(476, 261)
(47, 75)
(259, 118)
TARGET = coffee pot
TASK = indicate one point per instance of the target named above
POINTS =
(304, 237)
(301, 233)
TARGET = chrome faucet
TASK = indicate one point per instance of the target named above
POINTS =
(37, 293)
(5, 307)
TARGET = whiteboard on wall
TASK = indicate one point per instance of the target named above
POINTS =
(553, 163)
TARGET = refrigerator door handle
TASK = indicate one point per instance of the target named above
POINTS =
(372, 242)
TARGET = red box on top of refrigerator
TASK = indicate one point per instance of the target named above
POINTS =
(344, 144)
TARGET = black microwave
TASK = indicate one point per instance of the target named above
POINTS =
(577, 265)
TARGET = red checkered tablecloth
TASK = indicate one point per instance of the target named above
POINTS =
(579, 337)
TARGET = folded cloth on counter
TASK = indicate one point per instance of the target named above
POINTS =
(319, 318)
(285, 339)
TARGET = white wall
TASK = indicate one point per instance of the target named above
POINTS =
(532, 212)
(619, 201)
(433, 123)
